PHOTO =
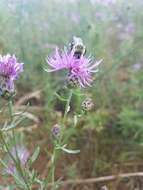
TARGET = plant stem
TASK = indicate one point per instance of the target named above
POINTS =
(67, 108)
(53, 165)
(54, 155)
(10, 109)
(16, 160)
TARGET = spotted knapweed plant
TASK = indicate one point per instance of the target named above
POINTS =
(17, 158)
(80, 70)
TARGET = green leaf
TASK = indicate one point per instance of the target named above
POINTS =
(60, 98)
(35, 155)
(75, 120)
(70, 151)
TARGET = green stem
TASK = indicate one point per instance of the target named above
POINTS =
(54, 155)
(10, 109)
(6, 146)
(11, 119)
(67, 109)
(17, 160)
(53, 165)
(67, 105)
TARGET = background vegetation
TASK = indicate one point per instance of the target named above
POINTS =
(110, 137)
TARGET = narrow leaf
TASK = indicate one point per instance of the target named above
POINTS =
(35, 155)
(61, 98)
(70, 151)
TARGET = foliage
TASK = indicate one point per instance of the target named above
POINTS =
(110, 134)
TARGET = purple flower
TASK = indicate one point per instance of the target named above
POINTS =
(56, 130)
(22, 153)
(100, 16)
(81, 68)
(130, 28)
(127, 32)
(75, 17)
(9, 71)
(106, 2)
(10, 169)
(137, 66)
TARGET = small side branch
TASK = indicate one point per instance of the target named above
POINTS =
(99, 179)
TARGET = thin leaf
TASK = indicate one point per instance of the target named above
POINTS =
(70, 151)
(61, 98)
(75, 120)
(35, 155)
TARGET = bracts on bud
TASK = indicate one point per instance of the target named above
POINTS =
(88, 104)
(72, 81)
(56, 130)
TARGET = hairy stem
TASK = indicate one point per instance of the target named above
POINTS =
(54, 155)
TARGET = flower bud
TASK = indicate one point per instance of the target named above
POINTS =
(56, 130)
(7, 89)
(9, 72)
(72, 81)
(87, 104)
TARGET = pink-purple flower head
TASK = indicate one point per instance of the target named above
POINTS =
(9, 71)
(19, 153)
(80, 69)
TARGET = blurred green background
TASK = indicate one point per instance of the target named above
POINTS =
(112, 135)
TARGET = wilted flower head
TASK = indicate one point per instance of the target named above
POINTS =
(79, 68)
(22, 153)
(9, 71)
